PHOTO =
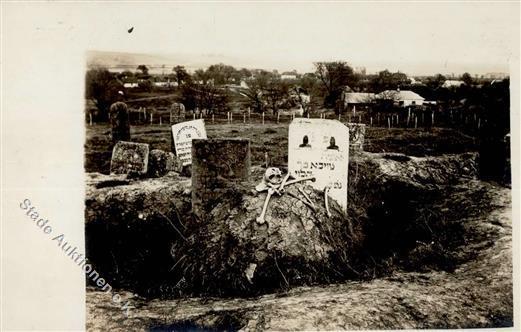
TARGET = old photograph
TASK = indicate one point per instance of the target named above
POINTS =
(297, 166)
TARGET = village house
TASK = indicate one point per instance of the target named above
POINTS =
(452, 83)
(289, 75)
(402, 98)
(353, 100)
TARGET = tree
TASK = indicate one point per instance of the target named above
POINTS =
(204, 96)
(221, 74)
(303, 99)
(181, 75)
(256, 89)
(143, 69)
(467, 78)
(388, 81)
(102, 88)
(334, 76)
(276, 93)
(436, 81)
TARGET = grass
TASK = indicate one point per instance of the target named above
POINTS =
(272, 139)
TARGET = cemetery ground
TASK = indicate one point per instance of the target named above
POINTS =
(436, 250)
(273, 139)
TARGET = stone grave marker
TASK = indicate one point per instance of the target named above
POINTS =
(161, 162)
(182, 135)
(218, 165)
(356, 136)
(129, 158)
(320, 148)
(119, 122)
(177, 113)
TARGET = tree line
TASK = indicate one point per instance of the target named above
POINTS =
(221, 87)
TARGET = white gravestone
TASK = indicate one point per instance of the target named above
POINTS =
(320, 148)
(183, 133)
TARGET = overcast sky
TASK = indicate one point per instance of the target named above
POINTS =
(416, 38)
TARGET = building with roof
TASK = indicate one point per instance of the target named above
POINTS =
(452, 83)
(289, 75)
(357, 99)
(402, 98)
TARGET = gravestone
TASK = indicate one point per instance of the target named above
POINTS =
(356, 136)
(119, 122)
(161, 162)
(129, 158)
(182, 135)
(177, 113)
(320, 148)
(217, 166)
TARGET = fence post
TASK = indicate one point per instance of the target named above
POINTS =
(231, 117)
(213, 118)
(433, 118)
(370, 121)
(160, 120)
(262, 117)
(278, 117)
(389, 122)
(244, 118)
(415, 122)
(90, 117)
(151, 117)
(339, 116)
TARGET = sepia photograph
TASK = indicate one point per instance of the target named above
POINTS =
(262, 166)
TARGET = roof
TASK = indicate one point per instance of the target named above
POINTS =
(449, 83)
(358, 97)
(400, 95)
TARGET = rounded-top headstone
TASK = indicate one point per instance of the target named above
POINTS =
(217, 166)
(119, 122)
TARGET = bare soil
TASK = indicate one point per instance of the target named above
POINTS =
(437, 252)
(478, 293)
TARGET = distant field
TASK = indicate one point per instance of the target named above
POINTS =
(273, 139)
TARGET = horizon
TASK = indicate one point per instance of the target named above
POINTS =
(97, 58)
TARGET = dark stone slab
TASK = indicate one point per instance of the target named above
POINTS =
(217, 166)
(129, 158)
(162, 162)
(119, 122)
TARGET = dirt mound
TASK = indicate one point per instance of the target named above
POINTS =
(234, 253)
(131, 224)
(478, 293)
(151, 244)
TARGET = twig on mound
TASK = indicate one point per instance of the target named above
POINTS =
(178, 216)
(180, 259)
(278, 268)
(171, 223)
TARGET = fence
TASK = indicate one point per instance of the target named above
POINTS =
(405, 118)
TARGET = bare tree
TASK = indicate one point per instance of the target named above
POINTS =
(334, 76)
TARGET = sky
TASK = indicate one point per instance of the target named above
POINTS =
(415, 38)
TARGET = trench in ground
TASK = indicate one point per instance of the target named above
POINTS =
(405, 228)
